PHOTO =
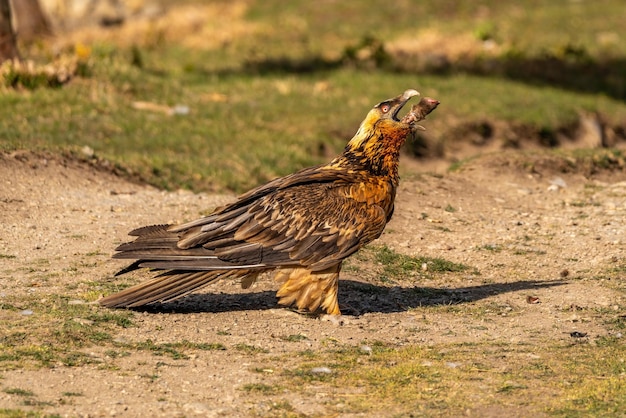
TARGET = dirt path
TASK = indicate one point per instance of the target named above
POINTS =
(545, 250)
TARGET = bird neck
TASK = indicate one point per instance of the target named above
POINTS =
(377, 149)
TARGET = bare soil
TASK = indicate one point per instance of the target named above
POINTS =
(545, 240)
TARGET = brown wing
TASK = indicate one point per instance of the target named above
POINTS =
(309, 218)
(315, 226)
(309, 225)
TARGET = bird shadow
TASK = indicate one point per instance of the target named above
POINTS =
(356, 298)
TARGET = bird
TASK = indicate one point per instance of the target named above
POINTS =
(300, 227)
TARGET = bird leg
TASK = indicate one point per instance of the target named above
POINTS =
(310, 290)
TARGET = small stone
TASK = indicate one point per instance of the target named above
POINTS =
(26, 312)
(321, 370)
(87, 151)
(557, 183)
(180, 110)
(337, 320)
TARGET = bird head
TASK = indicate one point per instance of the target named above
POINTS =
(377, 142)
(382, 123)
(389, 109)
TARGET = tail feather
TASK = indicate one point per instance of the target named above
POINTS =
(185, 270)
(167, 253)
(166, 287)
(150, 230)
(196, 265)
(161, 243)
(150, 237)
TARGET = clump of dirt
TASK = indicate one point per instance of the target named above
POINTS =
(462, 139)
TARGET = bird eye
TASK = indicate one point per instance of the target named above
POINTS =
(385, 108)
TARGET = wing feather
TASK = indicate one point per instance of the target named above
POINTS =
(311, 225)
(312, 218)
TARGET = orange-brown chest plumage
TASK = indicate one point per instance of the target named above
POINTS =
(371, 158)
(374, 191)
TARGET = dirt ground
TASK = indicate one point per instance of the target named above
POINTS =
(541, 237)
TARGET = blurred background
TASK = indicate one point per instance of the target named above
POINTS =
(224, 95)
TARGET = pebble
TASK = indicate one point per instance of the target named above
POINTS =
(180, 110)
(556, 184)
(366, 349)
(26, 312)
(321, 370)
(87, 151)
(337, 320)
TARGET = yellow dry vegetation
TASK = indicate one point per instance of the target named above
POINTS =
(203, 27)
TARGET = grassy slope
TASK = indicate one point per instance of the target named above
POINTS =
(277, 98)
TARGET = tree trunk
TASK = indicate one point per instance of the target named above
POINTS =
(30, 20)
(8, 47)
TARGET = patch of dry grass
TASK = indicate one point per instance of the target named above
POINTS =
(454, 379)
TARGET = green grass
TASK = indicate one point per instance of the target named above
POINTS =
(562, 23)
(261, 388)
(18, 392)
(391, 267)
(396, 265)
(18, 413)
(257, 115)
(72, 394)
(444, 380)
(57, 332)
(250, 349)
(294, 338)
(174, 350)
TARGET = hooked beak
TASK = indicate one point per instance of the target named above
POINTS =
(398, 103)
